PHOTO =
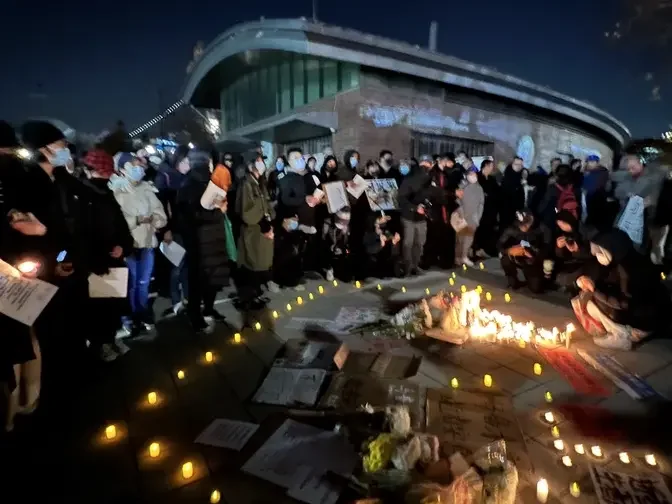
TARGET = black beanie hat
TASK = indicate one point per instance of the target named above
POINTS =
(7, 136)
(37, 134)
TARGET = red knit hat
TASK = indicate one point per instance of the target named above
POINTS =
(100, 162)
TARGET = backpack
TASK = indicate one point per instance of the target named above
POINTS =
(567, 200)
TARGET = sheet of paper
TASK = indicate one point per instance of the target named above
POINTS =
(337, 198)
(20, 298)
(350, 317)
(286, 386)
(173, 251)
(112, 285)
(297, 456)
(318, 194)
(358, 187)
(382, 194)
(225, 433)
(618, 488)
(212, 195)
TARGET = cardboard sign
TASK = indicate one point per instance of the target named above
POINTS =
(337, 198)
(575, 372)
(382, 194)
(619, 488)
(349, 393)
(465, 421)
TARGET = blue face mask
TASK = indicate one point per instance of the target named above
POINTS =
(298, 164)
(404, 169)
(135, 173)
(61, 157)
(279, 165)
(353, 162)
(293, 225)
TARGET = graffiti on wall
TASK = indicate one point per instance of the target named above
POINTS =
(412, 117)
(579, 151)
(525, 150)
(502, 130)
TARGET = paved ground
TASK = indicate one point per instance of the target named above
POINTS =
(61, 453)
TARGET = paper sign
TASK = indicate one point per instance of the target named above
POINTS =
(318, 193)
(112, 285)
(302, 353)
(225, 433)
(350, 317)
(285, 386)
(357, 186)
(382, 194)
(212, 196)
(173, 251)
(337, 198)
(620, 488)
(23, 299)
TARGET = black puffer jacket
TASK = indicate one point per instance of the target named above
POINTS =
(538, 236)
(415, 190)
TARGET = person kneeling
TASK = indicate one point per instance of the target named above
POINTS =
(623, 299)
(382, 247)
(524, 246)
(571, 252)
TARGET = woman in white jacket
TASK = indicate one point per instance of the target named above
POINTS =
(144, 215)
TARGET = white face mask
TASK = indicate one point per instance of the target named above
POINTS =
(260, 166)
(472, 178)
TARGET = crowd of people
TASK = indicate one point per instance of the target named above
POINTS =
(80, 214)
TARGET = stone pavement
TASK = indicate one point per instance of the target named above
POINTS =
(67, 455)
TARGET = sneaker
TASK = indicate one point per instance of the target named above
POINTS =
(273, 287)
(468, 262)
(481, 254)
(213, 315)
(122, 333)
(121, 348)
(613, 342)
(108, 353)
(330, 275)
(300, 288)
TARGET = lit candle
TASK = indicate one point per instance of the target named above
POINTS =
(488, 296)
(542, 490)
(111, 431)
(548, 416)
(507, 298)
(215, 496)
(275, 314)
(320, 289)
(481, 265)
(151, 398)
(358, 284)
(451, 281)
(574, 489)
(567, 461)
(625, 458)
(454, 383)
(555, 431)
(154, 450)
(521, 343)
(662, 276)
(187, 470)
(596, 451)
(311, 296)
(427, 291)
(299, 300)
(537, 369)
(208, 356)
(379, 287)
(180, 375)
(578, 448)
(453, 275)
(403, 289)
(559, 444)
(236, 337)
(257, 326)
(548, 397)
(650, 459)
(335, 283)
(487, 380)
(289, 307)
(463, 289)
(464, 267)
(479, 289)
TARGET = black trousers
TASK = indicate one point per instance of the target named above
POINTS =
(440, 246)
(533, 271)
(249, 284)
(105, 316)
(200, 292)
(288, 257)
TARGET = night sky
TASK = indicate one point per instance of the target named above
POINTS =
(90, 65)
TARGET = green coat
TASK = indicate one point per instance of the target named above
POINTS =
(255, 251)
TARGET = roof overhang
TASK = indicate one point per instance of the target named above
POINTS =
(285, 128)
(303, 37)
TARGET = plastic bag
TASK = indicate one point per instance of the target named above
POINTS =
(632, 219)
(231, 248)
(457, 221)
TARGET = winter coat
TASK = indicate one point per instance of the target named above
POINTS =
(141, 201)
(471, 205)
(415, 190)
(291, 194)
(491, 192)
(255, 251)
(538, 236)
(647, 185)
(512, 196)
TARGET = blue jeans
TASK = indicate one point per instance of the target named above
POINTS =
(140, 265)
(178, 283)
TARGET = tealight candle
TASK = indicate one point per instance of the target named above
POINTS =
(663, 276)
(479, 289)
(299, 300)
(403, 289)
(650, 459)
(215, 497)
(454, 383)
(257, 326)
(542, 490)
(379, 287)
(335, 282)
(579, 448)
(596, 451)
(548, 416)
(548, 397)
(187, 470)
(154, 450)
(463, 289)
(310, 296)
(320, 289)
(555, 431)
(537, 369)
(111, 431)
(358, 284)
(151, 398)
(559, 444)
(488, 296)
(208, 357)
(574, 489)
(427, 291)
(289, 307)
(487, 380)
(180, 375)
(624, 457)
(451, 281)
(275, 314)
(236, 338)
(521, 343)
(507, 297)
(481, 265)
(464, 267)
(567, 461)
(453, 275)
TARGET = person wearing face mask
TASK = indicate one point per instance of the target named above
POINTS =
(387, 168)
(311, 164)
(623, 299)
(255, 245)
(144, 215)
(439, 231)
(471, 201)
(571, 251)
(382, 243)
(513, 193)
(336, 246)
(485, 240)
(276, 173)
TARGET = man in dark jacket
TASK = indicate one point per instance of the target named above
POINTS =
(387, 167)
(440, 246)
(415, 205)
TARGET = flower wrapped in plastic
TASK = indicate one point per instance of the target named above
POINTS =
(380, 452)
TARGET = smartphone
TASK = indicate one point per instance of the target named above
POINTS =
(61, 256)
(525, 244)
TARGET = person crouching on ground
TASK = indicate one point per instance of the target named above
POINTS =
(382, 247)
(626, 299)
(571, 251)
(524, 246)
(471, 200)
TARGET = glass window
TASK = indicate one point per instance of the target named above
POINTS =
(349, 75)
(313, 79)
(298, 86)
(329, 77)
(262, 97)
(273, 94)
(285, 87)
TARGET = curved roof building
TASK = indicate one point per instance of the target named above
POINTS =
(296, 82)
